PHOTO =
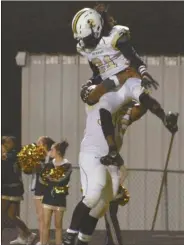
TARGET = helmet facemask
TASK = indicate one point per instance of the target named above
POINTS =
(91, 41)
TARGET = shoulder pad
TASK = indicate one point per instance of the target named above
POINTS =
(120, 32)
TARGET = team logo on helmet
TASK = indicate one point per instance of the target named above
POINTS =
(91, 22)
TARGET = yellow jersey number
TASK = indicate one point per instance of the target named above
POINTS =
(104, 65)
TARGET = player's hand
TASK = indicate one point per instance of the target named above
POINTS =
(113, 158)
(85, 92)
(148, 82)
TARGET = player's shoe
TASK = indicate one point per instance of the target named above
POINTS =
(170, 122)
(69, 238)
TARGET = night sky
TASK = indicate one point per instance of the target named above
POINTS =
(156, 28)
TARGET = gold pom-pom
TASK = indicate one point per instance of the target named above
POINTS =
(62, 189)
(56, 173)
(30, 156)
(53, 173)
(125, 196)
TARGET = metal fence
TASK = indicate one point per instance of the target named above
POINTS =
(51, 106)
(138, 213)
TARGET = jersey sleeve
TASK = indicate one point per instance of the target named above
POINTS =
(120, 32)
(122, 42)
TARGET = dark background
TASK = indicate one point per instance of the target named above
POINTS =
(156, 28)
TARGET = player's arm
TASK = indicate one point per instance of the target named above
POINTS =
(122, 42)
(96, 78)
(92, 97)
(86, 94)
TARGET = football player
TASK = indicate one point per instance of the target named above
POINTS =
(100, 182)
(118, 68)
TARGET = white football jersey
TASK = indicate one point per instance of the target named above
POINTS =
(94, 140)
(105, 56)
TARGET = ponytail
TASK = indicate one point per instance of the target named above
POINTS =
(61, 147)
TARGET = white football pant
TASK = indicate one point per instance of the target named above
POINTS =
(131, 89)
(99, 188)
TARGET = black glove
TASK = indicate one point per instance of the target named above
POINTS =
(170, 122)
(84, 93)
(113, 158)
(148, 82)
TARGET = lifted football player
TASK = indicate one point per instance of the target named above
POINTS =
(118, 68)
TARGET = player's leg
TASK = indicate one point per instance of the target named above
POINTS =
(112, 101)
(136, 91)
(95, 175)
(109, 103)
(113, 231)
(96, 181)
(87, 228)
(114, 172)
(89, 223)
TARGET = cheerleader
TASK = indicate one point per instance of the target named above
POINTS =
(56, 176)
(12, 191)
(37, 187)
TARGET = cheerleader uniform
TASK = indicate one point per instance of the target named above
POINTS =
(12, 185)
(55, 192)
(36, 186)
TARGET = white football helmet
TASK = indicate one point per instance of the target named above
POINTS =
(87, 23)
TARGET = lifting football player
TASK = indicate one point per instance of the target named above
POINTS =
(98, 186)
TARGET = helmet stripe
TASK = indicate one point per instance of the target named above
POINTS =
(76, 20)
